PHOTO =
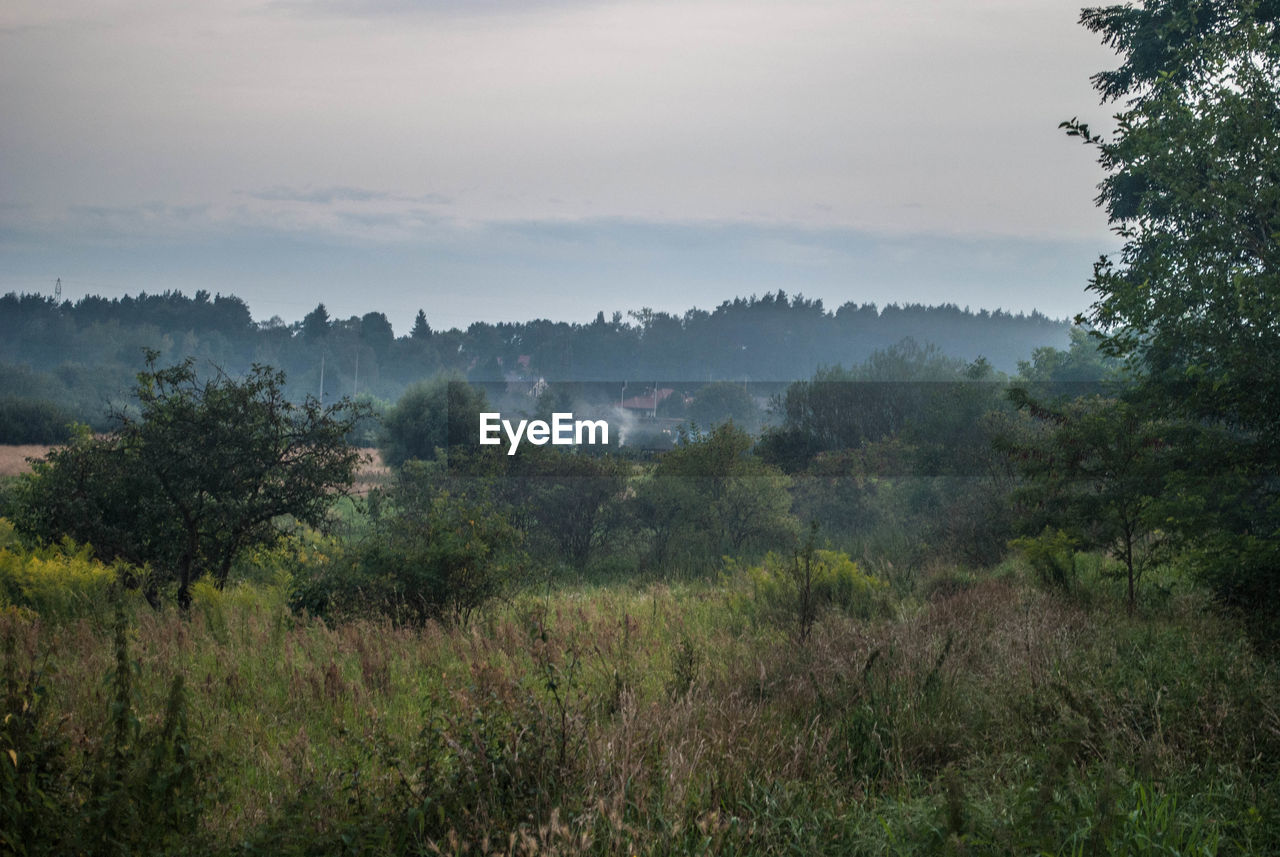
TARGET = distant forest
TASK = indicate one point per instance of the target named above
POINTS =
(68, 360)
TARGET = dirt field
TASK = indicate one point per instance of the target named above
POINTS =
(13, 460)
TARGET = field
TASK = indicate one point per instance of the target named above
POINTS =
(976, 714)
(13, 459)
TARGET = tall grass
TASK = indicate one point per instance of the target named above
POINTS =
(992, 718)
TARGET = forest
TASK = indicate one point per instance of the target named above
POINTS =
(61, 362)
(863, 586)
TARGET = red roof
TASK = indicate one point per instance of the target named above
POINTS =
(647, 403)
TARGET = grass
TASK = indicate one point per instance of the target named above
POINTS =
(992, 717)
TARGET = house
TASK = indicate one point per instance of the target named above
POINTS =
(649, 402)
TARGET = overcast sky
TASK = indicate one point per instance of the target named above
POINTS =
(512, 159)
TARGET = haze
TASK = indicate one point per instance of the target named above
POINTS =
(495, 160)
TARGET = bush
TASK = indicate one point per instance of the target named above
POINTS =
(1052, 556)
(60, 581)
(197, 477)
(440, 414)
(794, 591)
(430, 553)
(710, 497)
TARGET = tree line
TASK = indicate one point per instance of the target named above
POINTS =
(64, 361)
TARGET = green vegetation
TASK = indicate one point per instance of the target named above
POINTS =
(1002, 718)
(1192, 303)
(431, 416)
(58, 360)
(200, 474)
(929, 609)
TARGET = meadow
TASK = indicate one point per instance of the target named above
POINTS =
(954, 711)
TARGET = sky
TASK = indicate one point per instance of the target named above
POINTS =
(503, 160)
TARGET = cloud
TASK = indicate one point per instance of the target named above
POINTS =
(321, 196)
(401, 8)
(331, 195)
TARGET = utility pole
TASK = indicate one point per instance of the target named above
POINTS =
(322, 377)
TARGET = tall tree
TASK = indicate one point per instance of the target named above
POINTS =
(315, 324)
(376, 332)
(709, 497)
(421, 330)
(1095, 473)
(1193, 298)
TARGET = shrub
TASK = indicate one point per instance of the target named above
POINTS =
(197, 477)
(429, 553)
(59, 581)
(796, 590)
(1051, 555)
(440, 414)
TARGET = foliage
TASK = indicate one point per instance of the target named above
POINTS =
(709, 497)
(95, 491)
(1193, 300)
(34, 775)
(794, 592)
(440, 414)
(57, 581)
(72, 353)
(570, 501)
(1051, 555)
(1082, 368)
(843, 408)
(201, 473)
(315, 324)
(139, 788)
(919, 457)
(724, 401)
(1096, 472)
(437, 548)
(27, 421)
(144, 790)
(993, 718)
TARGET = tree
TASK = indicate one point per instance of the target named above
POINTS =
(33, 421)
(432, 415)
(725, 401)
(569, 497)
(441, 546)
(315, 324)
(845, 408)
(1095, 474)
(196, 476)
(421, 330)
(91, 491)
(709, 497)
(376, 332)
(1193, 300)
